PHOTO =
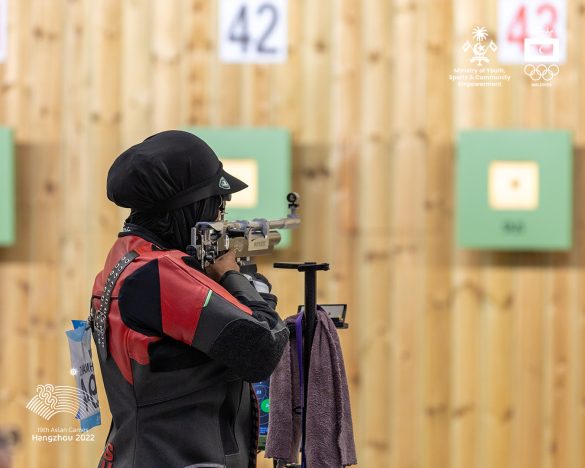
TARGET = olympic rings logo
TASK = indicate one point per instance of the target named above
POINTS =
(544, 72)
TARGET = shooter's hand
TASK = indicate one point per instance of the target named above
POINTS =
(223, 264)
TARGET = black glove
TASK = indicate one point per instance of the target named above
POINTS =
(270, 299)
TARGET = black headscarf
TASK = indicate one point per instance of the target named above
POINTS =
(174, 227)
(170, 181)
(168, 170)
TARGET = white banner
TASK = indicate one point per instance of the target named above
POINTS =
(253, 31)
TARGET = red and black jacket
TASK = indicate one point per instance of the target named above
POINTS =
(182, 350)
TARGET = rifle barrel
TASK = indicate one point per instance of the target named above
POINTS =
(284, 223)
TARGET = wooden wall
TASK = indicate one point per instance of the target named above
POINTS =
(457, 359)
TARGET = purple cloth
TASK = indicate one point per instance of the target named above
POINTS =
(329, 440)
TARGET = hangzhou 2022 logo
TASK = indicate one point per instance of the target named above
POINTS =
(51, 400)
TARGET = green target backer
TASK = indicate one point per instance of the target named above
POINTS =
(7, 215)
(261, 157)
(514, 190)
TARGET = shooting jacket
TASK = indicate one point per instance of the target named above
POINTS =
(182, 351)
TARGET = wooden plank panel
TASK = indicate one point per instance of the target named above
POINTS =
(532, 360)
(438, 239)
(14, 285)
(287, 109)
(315, 179)
(287, 106)
(406, 239)
(406, 306)
(494, 388)
(577, 403)
(76, 278)
(468, 278)
(15, 387)
(102, 114)
(257, 95)
(137, 72)
(374, 250)
(343, 165)
(559, 380)
(14, 373)
(197, 37)
(166, 50)
(226, 92)
(564, 440)
(528, 366)
(43, 171)
(496, 394)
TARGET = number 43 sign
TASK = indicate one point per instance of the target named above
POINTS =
(253, 31)
(532, 31)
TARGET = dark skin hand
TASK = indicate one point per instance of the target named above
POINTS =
(223, 264)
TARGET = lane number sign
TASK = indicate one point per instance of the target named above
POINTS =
(253, 31)
(3, 29)
(532, 31)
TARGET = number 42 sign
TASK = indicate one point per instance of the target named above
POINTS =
(253, 31)
(532, 31)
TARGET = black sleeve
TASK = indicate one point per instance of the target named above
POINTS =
(261, 304)
(242, 332)
(252, 345)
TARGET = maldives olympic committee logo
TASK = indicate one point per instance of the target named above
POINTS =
(542, 56)
(541, 71)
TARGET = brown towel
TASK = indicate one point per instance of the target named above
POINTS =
(284, 424)
(329, 439)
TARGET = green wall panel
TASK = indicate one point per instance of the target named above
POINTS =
(514, 190)
(7, 216)
(261, 157)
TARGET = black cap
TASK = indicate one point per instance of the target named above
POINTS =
(167, 171)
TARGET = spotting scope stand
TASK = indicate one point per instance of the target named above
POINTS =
(309, 322)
